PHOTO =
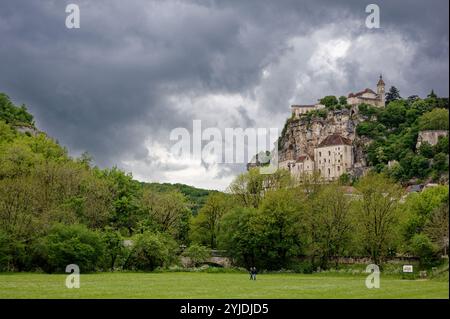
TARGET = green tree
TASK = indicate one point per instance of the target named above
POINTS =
(13, 114)
(206, 224)
(343, 100)
(331, 223)
(437, 119)
(113, 243)
(423, 248)
(71, 244)
(197, 254)
(167, 212)
(436, 228)
(392, 95)
(151, 250)
(329, 101)
(378, 211)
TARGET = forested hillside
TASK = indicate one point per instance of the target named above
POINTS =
(56, 210)
(46, 196)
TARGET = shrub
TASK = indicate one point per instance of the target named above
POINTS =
(197, 254)
(151, 250)
(71, 244)
(423, 248)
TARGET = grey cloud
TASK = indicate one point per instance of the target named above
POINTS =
(108, 87)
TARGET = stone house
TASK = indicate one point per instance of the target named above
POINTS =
(334, 156)
(297, 110)
(368, 96)
(430, 136)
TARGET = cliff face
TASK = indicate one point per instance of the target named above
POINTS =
(302, 135)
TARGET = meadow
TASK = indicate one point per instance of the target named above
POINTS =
(186, 285)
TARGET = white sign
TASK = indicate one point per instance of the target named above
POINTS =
(407, 268)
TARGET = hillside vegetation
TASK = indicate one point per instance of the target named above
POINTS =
(56, 210)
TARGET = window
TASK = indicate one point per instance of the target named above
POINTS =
(320, 153)
(339, 168)
(329, 153)
(341, 156)
(329, 172)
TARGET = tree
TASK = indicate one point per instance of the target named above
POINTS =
(329, 101)
(124, 195)
(280, 216)
(436, 228)
(168, 212)
(151, 250)
(394, 114)
(197, 254)
(248, 188)
(423, 248)
(437, 119)
(13, 114)
(378, 211)
(343, 100)
(206, 224)
(71, 244)
(432, 95)
(331, 223)
(113, 243)
(392, 95)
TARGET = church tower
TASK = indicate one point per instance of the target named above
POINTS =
(380, 90)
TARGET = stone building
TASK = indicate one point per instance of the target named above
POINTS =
(430, 136)
(368, 96)
(304, 164)
(334, 156)
(297, 110)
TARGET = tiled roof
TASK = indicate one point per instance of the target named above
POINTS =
(367, 90)
(302, 158)
(335, 139)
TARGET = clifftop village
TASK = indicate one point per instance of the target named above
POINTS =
(330, 146)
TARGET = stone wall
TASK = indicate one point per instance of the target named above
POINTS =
(430, 136)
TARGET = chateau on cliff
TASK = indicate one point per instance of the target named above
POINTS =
(368, 96)
(328, 145)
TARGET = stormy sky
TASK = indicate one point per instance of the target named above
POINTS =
(137, 69)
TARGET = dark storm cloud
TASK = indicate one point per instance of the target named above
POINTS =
(118, 81)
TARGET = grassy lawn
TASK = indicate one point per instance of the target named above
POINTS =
(221, 285)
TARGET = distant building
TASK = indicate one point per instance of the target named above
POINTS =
(368, 96)
(430, 136)
(333, 156)
(297, 110)
(303, 165)
(261, 159)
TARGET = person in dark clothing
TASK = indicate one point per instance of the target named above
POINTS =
(252, 273)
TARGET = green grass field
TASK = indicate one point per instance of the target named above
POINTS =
(221, 285)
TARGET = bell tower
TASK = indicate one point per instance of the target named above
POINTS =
(380, 90)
